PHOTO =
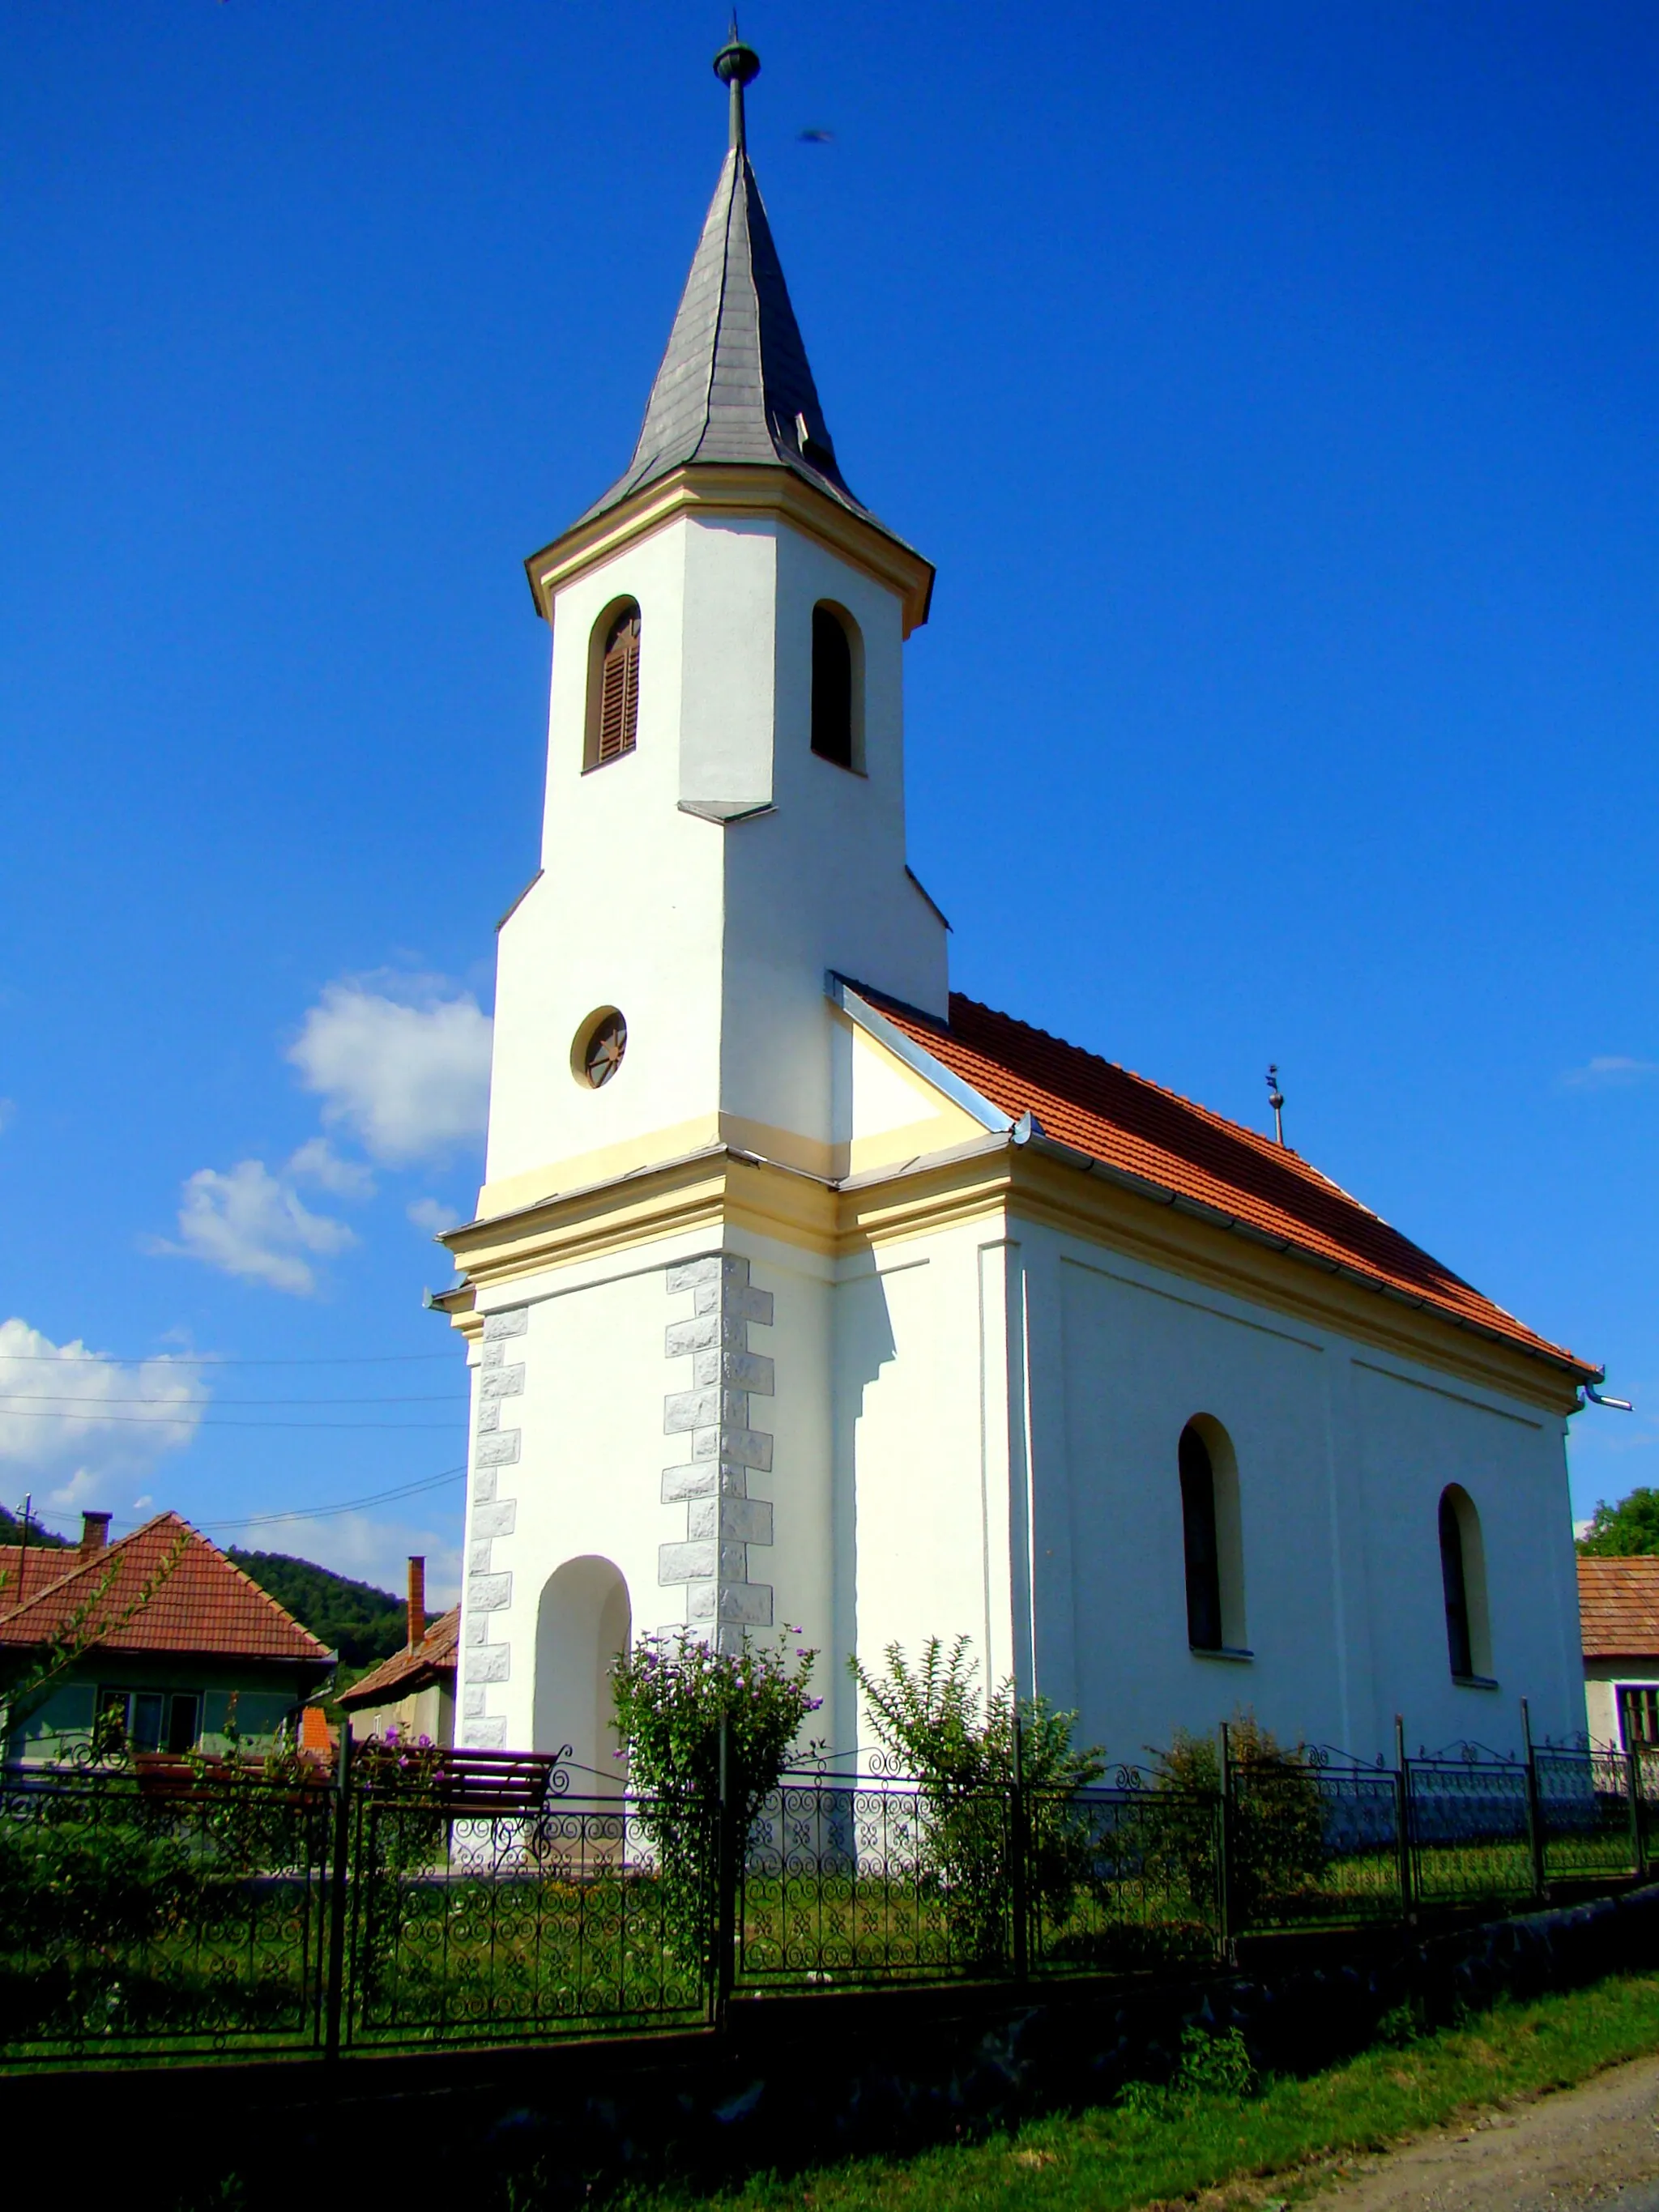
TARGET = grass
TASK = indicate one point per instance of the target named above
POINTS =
(1154, 2146)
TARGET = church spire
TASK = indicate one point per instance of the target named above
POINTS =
(734, 386)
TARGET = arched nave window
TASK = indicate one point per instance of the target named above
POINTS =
(838, 686)
(1463, 1581)
(1213, 1537)
(613, 684)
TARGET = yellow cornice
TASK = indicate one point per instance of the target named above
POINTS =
(714, 489)
(993, 1179)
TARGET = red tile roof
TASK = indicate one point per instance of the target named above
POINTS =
(201, 1605)
(1156, 1138)
(40, 1564)
(1619, 1607)
(406, 1670)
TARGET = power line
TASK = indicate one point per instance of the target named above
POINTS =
(324, 1512)
(184, 1420)
(349, 1505)
(88, 1400)
(225, 1359)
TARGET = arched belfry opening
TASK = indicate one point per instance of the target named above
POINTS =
(837, 687)
(583, 1623)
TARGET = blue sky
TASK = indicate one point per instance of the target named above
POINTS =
(1275, 388)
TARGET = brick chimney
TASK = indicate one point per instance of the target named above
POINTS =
(95, 1532)
(417, 1598)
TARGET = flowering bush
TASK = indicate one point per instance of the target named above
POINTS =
(673, 1697)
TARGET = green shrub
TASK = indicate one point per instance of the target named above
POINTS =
(966, 1751)
(1278, 1850)
(1213, 2063)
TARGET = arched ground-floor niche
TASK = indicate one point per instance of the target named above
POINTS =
(584, 1620)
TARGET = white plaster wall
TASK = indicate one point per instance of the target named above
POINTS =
(629, 909)
(1342, 1455)
(916, 1556)
(820, 883)
(589, 1416)
(1139, 1362)
(712, 937)
(588, 1379)
(727, 663)
(1414, 1433)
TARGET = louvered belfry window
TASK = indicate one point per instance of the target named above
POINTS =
(614, 717)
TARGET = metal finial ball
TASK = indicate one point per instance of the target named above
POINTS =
(736, 60)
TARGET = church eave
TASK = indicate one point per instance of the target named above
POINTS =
(737, 488)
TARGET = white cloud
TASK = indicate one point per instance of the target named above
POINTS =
(68, 1418)
(408, 1073)
(317, 1162)
(1611, 1071)
(250, 1225)
(432, 1214)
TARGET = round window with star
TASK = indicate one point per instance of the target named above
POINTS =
(598, 1052)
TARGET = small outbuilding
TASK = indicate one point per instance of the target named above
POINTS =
(414, 1691)
(1619, 1613)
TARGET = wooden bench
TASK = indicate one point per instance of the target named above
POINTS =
(481, 1782)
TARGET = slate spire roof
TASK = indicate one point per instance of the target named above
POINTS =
(735, 386)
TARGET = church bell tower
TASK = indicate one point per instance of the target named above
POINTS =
(725, 802)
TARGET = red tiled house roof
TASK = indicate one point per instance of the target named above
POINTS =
(430, 1660)
(27, 1569)
(202, 1607)
(1156, 1139)
(1619, 1607)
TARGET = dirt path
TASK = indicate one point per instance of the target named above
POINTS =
(1595, 2146)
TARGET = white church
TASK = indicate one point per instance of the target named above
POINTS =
(804, 1289)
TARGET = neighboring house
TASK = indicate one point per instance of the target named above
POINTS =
(1619, 1610)
(804, 1289)
(414, 1691)
(208, 1653)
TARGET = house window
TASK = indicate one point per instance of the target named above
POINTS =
(150, 1720)
(1463, 1584)
(1212, 1538)
(613, 684)
(1639, 1716)
(837, 687)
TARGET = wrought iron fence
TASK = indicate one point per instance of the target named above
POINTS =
(886, 1879)
(487, 1922)
(162, 1909)
(1121, 1879)
(1313, 1841)
(435, 1898)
